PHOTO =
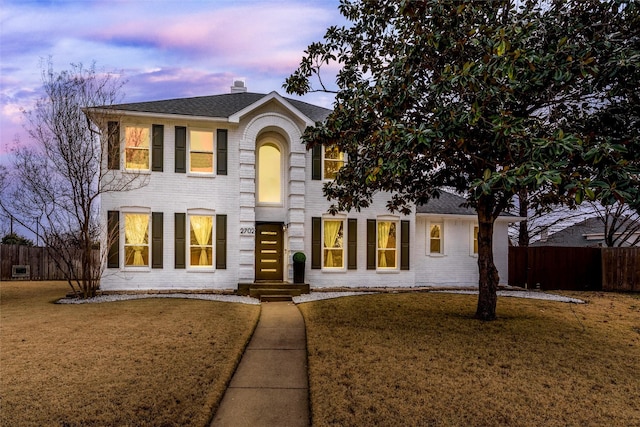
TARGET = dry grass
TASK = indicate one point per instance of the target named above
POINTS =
(154, 362)
(420, 359)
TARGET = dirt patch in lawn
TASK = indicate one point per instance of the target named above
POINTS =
(420, 359)
(141, 362)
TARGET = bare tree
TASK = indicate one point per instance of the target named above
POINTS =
(59, 177)
(621, 224)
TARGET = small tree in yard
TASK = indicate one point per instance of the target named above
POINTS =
(60, 176)
(475, 96)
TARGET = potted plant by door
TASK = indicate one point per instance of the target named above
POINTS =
(299, 259)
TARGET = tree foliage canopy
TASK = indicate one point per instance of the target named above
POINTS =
(488, 98)
(16, 239)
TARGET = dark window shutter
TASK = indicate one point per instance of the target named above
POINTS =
(371, 244)
(181, 149)
(113, 236)
(221, 242)
(113, 145)
(157, 148)
(157, 228)
(316, 162)
(352, 244)
(180, 240)
(316, 243)
(404, 245)
(221, 141)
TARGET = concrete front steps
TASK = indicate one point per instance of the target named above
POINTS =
(273, 291)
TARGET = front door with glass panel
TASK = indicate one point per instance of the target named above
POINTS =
(269, 251)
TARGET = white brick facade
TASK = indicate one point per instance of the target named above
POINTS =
(234, 195)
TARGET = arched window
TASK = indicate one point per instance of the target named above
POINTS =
(269, 174)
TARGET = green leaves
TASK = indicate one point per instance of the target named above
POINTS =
(480, 96)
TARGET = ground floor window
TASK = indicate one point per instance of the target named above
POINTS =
(436, 238)
(333, 243)
(136, 239)
(387, 245)
(474, 240)
(201, 240)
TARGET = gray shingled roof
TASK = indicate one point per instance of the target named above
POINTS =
(449, 204)
(222, 106)
(446, 204)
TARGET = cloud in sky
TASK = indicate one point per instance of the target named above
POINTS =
(165, 49)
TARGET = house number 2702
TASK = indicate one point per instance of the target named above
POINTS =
(247, 230)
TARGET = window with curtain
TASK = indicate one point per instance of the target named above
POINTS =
(200, 151)
(435, 238)
(201, 241)
(136, 240)
(475, 239)
(387, 244)
(269, 174)
(136, 147)
(333, 161)
(333, 242)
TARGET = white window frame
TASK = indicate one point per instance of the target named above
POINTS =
(343, 219)
(274, 142)
(472, 239)
(442, 238)
(123, 257)
(324, 159)
(150, 151)
(213, 152)
(395, 220)
(201, 212)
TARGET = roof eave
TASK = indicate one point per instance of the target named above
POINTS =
(146, 114)
(501, 218)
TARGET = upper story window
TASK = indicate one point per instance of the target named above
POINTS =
(387, 245)
(269, 174)
(137, 152)
(201, 240)
(435, 238)
(333, 243)
(136, 239)
(333, 160)
(201, 151)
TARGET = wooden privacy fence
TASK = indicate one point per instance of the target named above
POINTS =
(583, 269)
(621, 269)
(30, 263)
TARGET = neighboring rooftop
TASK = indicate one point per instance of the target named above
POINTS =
(221, 106)
(587, 233)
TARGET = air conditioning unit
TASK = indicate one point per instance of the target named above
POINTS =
(21, 272)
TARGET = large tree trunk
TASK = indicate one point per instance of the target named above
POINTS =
(489, 278)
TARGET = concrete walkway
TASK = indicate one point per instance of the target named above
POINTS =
(270, 386)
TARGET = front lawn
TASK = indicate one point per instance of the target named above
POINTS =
(420, 359)
(128, 363)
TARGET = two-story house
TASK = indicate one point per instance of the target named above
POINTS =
(232, 194)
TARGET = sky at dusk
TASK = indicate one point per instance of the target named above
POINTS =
(163, 48)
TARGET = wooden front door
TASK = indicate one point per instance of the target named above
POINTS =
(269, 251)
